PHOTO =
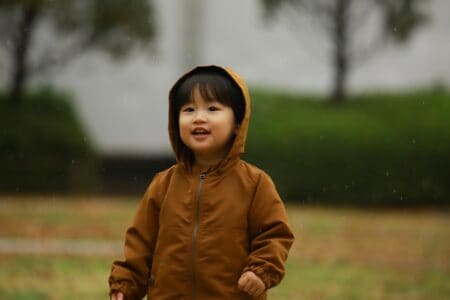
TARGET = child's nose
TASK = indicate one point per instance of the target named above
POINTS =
(200, 116)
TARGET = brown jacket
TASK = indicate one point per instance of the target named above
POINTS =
(197, 231)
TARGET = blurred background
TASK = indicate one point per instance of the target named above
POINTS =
(350, 98)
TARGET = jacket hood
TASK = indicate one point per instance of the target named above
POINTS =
(238, 146)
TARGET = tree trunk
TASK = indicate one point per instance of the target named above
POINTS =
(22, 45)
(340, 54)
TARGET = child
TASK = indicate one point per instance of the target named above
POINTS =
(212, 226)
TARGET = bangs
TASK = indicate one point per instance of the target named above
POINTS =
(213, 86)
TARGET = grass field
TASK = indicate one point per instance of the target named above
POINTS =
(339, 254)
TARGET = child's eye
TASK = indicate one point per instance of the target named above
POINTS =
(213, 108)
(187, 109)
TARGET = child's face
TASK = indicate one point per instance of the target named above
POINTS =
(206, 127)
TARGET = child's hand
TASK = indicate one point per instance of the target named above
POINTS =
(117, 296)
(251, 284)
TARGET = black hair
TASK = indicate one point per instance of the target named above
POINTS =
(213, 86)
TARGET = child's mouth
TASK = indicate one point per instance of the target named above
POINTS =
(200, 132)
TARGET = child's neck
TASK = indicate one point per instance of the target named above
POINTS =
(207, 162)
(210, 160)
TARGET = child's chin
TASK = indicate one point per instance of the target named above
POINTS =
(204, 151)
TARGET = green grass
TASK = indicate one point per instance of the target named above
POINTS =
(55, 278)
(65, 218)
(86, 278)
(339, 253)
(337, 281)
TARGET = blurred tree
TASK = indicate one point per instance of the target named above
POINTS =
(66, 29)
(342, 20)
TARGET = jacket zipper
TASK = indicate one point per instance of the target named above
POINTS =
(195, 233)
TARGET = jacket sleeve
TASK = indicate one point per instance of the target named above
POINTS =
(270, 234)
(131, 275)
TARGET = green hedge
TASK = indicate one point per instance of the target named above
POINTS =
(43, 147)
(375, 149)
